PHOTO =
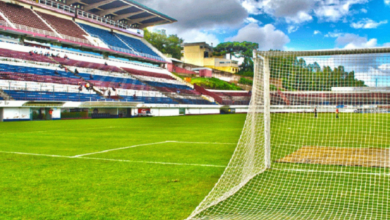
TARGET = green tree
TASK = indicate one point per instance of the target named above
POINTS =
(297, 75)
(239, 48)
(242, 49)
(166, 44)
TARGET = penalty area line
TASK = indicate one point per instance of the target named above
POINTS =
(114, 160)
(121, 148)
(186, 142)
(140, 145)
(332, 172)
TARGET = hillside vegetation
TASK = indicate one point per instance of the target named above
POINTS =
(214, 83)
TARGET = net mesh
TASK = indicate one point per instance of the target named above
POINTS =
(315, 144)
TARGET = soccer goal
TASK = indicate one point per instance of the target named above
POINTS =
(316, 141)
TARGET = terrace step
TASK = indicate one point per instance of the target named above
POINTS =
(168, 94)
(98, 91)
(5, 96)
(45, 22)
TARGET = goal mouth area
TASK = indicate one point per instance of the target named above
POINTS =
(354, 157)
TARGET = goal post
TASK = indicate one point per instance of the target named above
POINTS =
(267, 108)
(316, 140)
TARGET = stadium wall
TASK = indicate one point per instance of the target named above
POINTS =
(56, 115)
(16, 114)
(18, 110)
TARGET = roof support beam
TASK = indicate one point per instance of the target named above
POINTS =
(112, 10)
(127, 15)
(154, 23)
(70, 2)
(141, 19)
(96, 5)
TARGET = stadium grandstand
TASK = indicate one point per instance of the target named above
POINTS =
(313, 141)
(91, 56)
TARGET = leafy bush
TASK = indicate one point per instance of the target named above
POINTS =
(214, 83)
(245, 73)
(245, 81)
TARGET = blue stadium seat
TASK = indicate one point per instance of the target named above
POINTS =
(175, 86)
(79, 97)
(114, 41)
(137, 45)
(107, 37)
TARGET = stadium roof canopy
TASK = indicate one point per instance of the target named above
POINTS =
(130, 10)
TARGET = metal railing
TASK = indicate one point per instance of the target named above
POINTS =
(58, 5)
(76, 94)
(123, 50)
(29, 29)
(44, 32)
(76, 39)
(101, 19)
(70, 9)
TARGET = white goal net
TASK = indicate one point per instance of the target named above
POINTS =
(316, 141)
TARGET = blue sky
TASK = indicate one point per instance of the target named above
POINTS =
(280, 24)
(288, 25)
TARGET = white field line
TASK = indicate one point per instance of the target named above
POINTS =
(121, 148)
(77, 129)
(185, 142)
(153, 162)
(139, 145)
(333, 172)
(114, 160)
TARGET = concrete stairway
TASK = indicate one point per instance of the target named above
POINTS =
(5, 96)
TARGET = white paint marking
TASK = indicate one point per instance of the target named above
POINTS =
(114, 160)
(334, 172)
(122, 148)
(78, 129)
(153, 162)
(33, 154)
(163, 142)
(185, 142)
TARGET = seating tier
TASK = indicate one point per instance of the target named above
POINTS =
(23, 16)
(63, 26)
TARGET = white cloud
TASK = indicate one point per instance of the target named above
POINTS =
(387, 2)
(268, 37)
(333, 34)
(296, 11)
(251, 20)
(351, 41)
(363, 10)
(367, 24)
(385, 67)
(193, 35)
(251, 6)
(299, 11)
(199, 36)
(198, 20)
(317, 32)
(292, 29)
(334, 10)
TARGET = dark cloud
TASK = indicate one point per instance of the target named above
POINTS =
(201, 14)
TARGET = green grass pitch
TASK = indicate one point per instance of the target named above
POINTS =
(161, 168)
(156, 181)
